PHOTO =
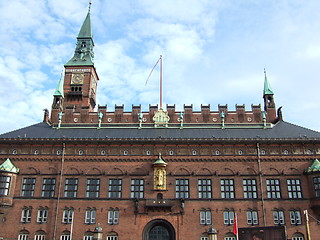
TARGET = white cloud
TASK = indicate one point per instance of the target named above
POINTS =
(214, 52)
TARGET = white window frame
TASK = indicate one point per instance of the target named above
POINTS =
(112, 237)
(278, 217)
(39, 237)
(67, 216)
(90, 217)
(26, 215)
(113, 217)
(88, 237)
(65, 237)
(205, 217)
(295, 217)
(252, 217)
(23, 236)
(42, 215)
(228, 217)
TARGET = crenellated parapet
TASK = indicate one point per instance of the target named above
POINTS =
(187, 115)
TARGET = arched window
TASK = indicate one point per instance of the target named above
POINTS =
(297, 236)
(229, 236)
(112, 236)
(65, 235)
(40, 235)
(24, 235)
(88, 235)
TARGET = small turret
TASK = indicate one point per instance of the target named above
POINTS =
(269, 104)
(58, 95)
(267, 94)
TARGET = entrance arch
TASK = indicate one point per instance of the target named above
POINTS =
(159, 229)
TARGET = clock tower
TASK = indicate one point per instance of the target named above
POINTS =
(80, 77)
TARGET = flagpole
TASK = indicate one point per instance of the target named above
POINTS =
(160, 81)
(235, 226)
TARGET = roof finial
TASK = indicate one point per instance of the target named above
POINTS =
(90, 2)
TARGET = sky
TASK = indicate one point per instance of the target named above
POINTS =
(214, 52)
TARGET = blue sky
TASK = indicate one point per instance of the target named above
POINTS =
(214, 53)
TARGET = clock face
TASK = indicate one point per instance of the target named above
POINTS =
(77, 78)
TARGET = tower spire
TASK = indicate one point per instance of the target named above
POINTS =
(83, 54)
(268, 94)
(267, 87)
(59, 89)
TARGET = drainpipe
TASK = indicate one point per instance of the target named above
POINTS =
(261, 185)
(59, 191)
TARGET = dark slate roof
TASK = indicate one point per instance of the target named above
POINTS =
(281, 130)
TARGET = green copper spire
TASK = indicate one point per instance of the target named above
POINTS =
(315, 167)
(267, 88)
(59, 89)
(83, 54)
(85, 31)
(7, 166)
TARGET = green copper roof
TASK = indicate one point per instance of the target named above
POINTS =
(159, 161)
(267, 87)
(83, 54)
(315, 167)
(59, 89)
(85, 31)
(7, 166)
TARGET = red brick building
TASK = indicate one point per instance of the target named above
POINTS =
(160, 174)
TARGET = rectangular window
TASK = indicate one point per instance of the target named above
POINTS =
(227, 188)
(294, 188)
(182, 188)
(273, 188)
(252, 217)
(113, 217)
(26, 215)
(67, 216)
(228, 217)
(137, 188)
(71, 187)
(204, 188)
(115, 188)
(316, 186)
(4, 185)
(295, 217)
(28, 185)
(250, 188)
(204, 238)
(93, 188)
(90, 216)
(42, 215)
(205, 217)
(278, 217)
(48, 186)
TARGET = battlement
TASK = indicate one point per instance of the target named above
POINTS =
(187, 115)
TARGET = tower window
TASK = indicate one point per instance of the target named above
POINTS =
(4, 185)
